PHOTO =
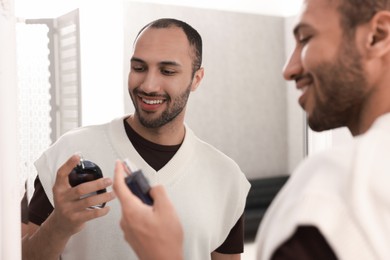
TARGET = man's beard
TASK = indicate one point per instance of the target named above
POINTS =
(342, 84)
(169, 114)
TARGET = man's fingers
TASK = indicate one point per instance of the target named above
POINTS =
(93, 200)
(157, 192)
(90, 214)
(64, 171)
(130, 201)
(160, 198)
(91, 186)
(121, 190)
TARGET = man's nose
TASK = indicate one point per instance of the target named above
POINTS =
(293, 67)
(151, 82)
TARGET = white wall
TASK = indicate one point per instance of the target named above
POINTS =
(264, 7)
(54, 8)
(101, 50)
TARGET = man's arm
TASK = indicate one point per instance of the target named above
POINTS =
(68, 217)
(153, 232)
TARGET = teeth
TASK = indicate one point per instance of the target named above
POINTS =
(152, 102)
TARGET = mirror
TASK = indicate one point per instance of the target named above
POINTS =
(243, 106)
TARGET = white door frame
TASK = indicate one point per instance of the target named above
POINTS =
(10, 238)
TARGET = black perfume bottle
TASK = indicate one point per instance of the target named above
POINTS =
(86, 171)
(137, 183)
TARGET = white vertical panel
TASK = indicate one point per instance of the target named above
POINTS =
(33, 97)
(68, 71)
(9, 188)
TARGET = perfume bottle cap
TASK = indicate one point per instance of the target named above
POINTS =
(130, 167)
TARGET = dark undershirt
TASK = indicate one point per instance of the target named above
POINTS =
(307, 243)
(156, 156)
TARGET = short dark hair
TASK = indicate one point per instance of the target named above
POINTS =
(193, 37)
(357, 12)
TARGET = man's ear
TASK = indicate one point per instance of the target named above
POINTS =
(379, 34)
(197, 79)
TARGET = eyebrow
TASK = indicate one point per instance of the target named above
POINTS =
(170, 63)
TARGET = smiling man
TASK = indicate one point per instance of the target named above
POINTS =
(206, 187)
(336, 204)
(165, 69)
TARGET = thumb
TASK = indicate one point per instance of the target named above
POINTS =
(161, 199)
(120, 188)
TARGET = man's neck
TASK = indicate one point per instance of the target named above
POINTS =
(376, 104)
(171, 133)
